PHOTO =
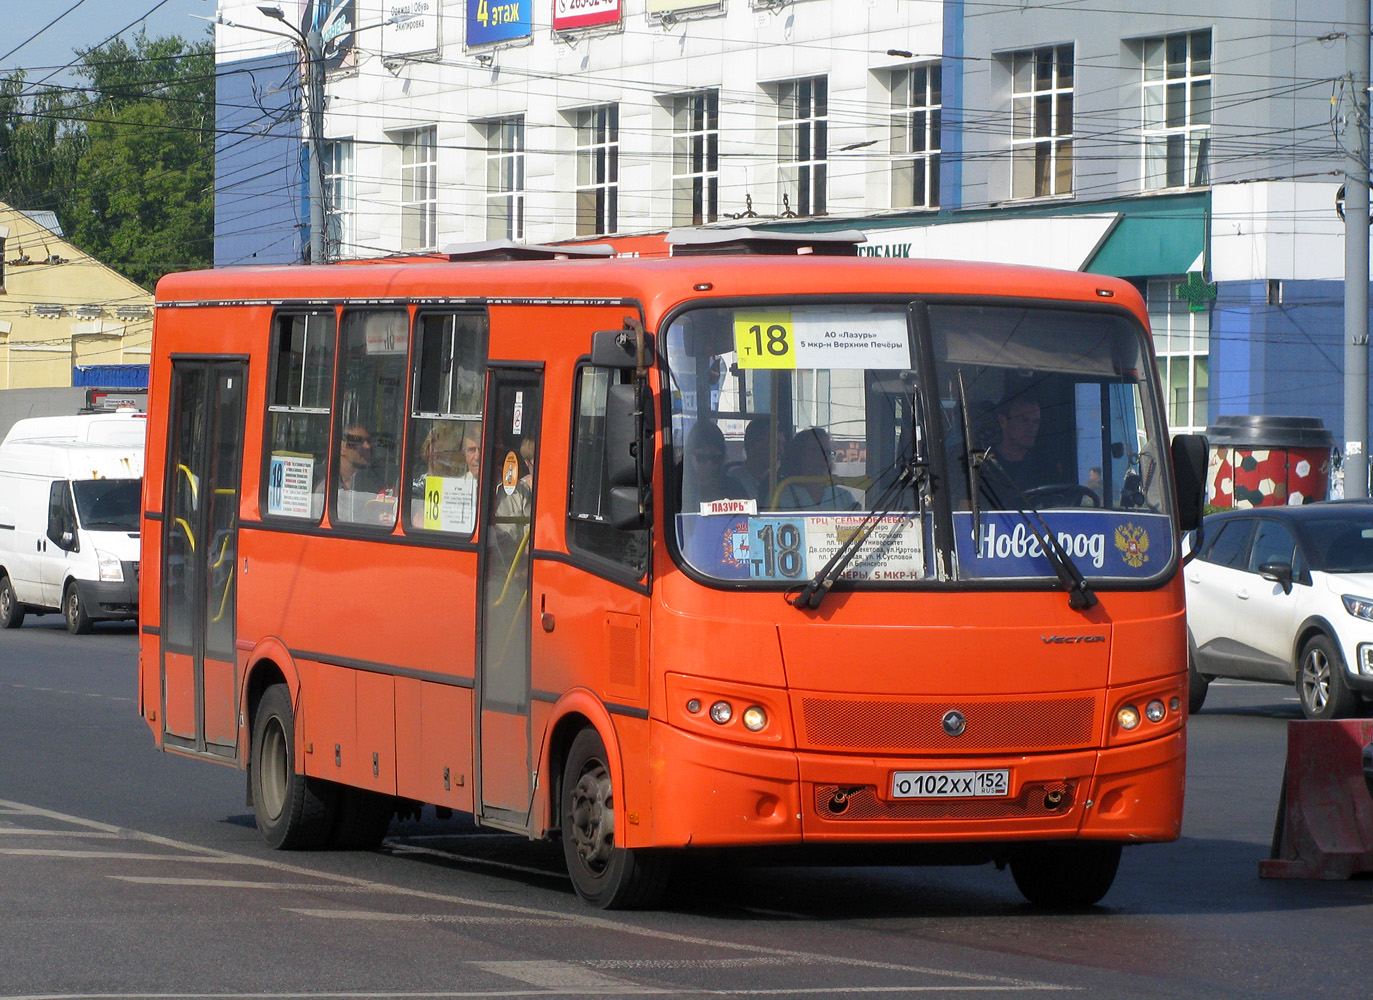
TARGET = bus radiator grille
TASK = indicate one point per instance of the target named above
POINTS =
(1049, 798)
(997, 726)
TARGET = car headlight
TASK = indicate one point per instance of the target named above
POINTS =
(110, 569)
(1359, 607)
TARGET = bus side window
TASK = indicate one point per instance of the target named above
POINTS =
(298, 411)
(445, 439)
(588, 529)
(373, 344)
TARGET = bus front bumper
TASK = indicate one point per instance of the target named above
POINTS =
(710, 793)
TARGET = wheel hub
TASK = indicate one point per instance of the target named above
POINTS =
(593, 818)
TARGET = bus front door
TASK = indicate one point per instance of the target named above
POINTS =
(199, 553)
(503, 720)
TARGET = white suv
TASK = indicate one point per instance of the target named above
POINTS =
(1285, 594)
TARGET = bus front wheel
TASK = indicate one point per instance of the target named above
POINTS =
(1067, 874)
(604, 875)
(292, 810)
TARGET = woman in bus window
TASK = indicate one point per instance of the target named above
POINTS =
(807, 478)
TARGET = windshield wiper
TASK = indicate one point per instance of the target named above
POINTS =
(818, 586)
(1080, 596)
(971, 459)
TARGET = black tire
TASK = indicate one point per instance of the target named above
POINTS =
(1197, 686)
(362, 819)
(1321, 686)
(74, 611)
(1065, 874)
(11, 611)
(606, 876)
(293, 812)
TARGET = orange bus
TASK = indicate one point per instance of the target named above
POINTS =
(790, 550)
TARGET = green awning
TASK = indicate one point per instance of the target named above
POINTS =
(1148, 243)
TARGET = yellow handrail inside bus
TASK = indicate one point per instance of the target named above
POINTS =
(228, 580)
(194, 483)
(514, 562)
(186, 528)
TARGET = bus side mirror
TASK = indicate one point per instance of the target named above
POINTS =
(618, 349)
(1190, 452)
(629, 454)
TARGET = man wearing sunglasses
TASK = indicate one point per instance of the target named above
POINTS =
(358, 483)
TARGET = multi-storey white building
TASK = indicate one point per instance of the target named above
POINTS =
(1192, 148)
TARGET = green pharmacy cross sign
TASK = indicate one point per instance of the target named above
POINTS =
(1196, 291)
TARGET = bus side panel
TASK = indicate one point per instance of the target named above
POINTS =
(328, 712)
(434, 743)
(179, 681)
(221, 701)
(376, 732)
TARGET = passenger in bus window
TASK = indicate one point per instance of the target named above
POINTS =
(760, 455)
(703, 474)
(472, 452)
(443, 456)
(514, 504)
(806, 476)
(358, 483)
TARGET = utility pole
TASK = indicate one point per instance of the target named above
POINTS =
(1356, 254)
(311, 45)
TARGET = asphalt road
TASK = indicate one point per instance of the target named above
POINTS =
(129, 873)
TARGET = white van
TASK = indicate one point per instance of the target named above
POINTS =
(70, 494)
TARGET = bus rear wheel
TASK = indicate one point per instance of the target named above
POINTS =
(292, 810)
(1065, 874)
(604, 875)
(11, 611)
(363, 818)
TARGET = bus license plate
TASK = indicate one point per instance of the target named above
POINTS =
(951, 784)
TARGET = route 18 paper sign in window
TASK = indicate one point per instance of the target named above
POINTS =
(569, 14)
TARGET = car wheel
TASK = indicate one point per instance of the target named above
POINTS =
(1065, 874)
(606, 876)
(291, 810)
(1197, 686)
(74, 610)
(1321, 685)
(11, 611)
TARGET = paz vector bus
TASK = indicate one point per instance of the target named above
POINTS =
(760, 546)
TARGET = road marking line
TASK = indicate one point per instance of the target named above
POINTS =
(487, 862)
(984, 981)
(24, 831)
(123, 856)
(227, 883)
(560, 976)
(832, 991)
(427, 918)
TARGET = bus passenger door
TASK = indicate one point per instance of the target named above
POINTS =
(200, 550)
(503, 638)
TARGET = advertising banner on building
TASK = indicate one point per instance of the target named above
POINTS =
(409, 26)
(335, 20)
(568, 14)
(498, 20)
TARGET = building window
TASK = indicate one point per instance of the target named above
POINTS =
(505, 179)
(418, 189)
(1182, 340)
(598, 169)
(696, 158)
(340, 203)
(1176, 96)
(915, 122)
(802, 145)
(1042, 122)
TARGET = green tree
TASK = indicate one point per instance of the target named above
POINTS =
(40, 145)
(143, 200)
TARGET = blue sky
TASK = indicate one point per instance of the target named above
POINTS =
(90, 23)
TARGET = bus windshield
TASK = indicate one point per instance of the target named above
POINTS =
(795, 426)
(108, 504)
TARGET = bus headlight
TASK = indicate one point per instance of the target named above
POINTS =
(110, 569)
(755, 719)
(721, 712)
(1128, 717)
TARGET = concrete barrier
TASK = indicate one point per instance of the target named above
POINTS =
(1324, 827)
